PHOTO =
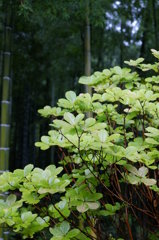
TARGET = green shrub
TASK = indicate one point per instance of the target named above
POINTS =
(109, 169)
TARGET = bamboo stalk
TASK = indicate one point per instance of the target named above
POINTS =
(87, 69)
(6, 92)
(5, 104)
(155, 23)
(87, 47)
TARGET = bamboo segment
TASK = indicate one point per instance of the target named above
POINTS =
(6, 89)
(6, 69)
(5, 112)
(4, 141)
(4, 155)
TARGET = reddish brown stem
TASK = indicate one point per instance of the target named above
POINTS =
(127, 224)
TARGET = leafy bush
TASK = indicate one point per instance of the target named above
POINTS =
(109, 166)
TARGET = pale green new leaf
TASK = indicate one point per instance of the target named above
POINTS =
(11, 199)
(155, 53)
(70, 118)
(134, 63)
(71, 96)
(102, 134)
(73, 233)
(28, 169)
(148, 181)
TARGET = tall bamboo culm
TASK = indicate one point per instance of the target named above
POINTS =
(87, 72)
(87, 50)
(87, 47)
(5, 104)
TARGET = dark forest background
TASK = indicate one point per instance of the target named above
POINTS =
(46, 46)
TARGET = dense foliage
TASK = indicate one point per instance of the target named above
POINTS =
(109, 163)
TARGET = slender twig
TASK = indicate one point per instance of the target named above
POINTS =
(127, 223)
